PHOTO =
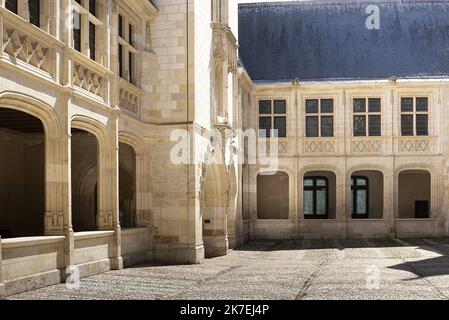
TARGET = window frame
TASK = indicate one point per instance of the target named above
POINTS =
(320, 115)
(367, 115)
(272, 115)
(354, 189)
(82, 8)
(314, 189)
(127, 21)
(414, 113)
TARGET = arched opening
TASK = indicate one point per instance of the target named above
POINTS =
(127, 186)
(272, 195)
(22, 174)
(414, 194)
(320, 200)
(367, 195)
(214, 207)
(84, 181)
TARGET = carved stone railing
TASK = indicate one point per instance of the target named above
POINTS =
(414, 145)
(90, 77)
(320, 146)
(129, 97)
(368, 145)
(26, 46)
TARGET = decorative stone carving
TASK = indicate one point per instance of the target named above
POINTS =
(25, 48)
(367, 146)
(128, 101)
(414, 145)
(87, 79)
(319, 146)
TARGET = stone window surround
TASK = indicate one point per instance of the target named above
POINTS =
(261, 97)
(86, 19)
(414, 113)
(320, 115)
(129, 18)
(46, 7)
(367, 113)
(272, 115)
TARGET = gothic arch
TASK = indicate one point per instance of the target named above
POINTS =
(54, 200)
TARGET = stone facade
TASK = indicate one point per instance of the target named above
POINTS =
(137, 109)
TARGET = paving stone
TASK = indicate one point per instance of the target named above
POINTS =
(295, 269)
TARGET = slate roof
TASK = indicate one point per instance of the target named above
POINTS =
(316, 40)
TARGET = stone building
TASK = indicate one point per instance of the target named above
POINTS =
(130, 131)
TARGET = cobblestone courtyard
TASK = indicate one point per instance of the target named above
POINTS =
(319, 269)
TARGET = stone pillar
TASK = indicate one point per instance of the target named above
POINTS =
(113, 54)
(66, 190)
(116, 259)
(2, 285)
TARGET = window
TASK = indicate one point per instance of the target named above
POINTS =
(367, 117)
(77, 31)
(273, 118)
(131, 67)
(131, 35)
(93, 7)
(127, 51)
(120, 26)
(319, 118)
(415, 116)
(360, 197)
(85, 28)
(120, 60)
(11, 5)
(316, 198)
(92, 40)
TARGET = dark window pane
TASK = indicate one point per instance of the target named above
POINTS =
(264, 126)
(422, 104)
(375, 126)
(92, 40)
(407, 125)
(131, 67)
(280, 106)
(93, 7)
(359, 105)
(327, 126)
(120, 60)
(374, 105)
(422, 127)
(35, 12)
(359, 126)
(76, 31)
(120, 26)
(280, 124)
(312, 126)
(311, 106)
(131, 35)
(265, 107)
(11, 5)
(407, 104)
(327, 106)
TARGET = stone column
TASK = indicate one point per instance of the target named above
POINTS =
(116, 259)
(2, 285)
(113, 54)
(66, 188)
